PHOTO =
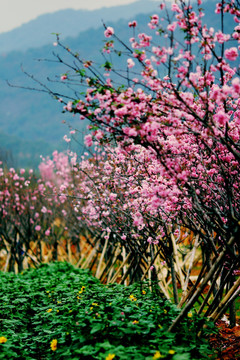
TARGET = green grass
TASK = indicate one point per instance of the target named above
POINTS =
(88, 320)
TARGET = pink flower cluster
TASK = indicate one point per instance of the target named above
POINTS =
(108, 32)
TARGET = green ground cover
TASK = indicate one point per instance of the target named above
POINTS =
(60, 312)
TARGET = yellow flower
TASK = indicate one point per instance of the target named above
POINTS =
(110, 357)
(189, 314)
(165, 311)
(143, 292)
(53, 345)
(135, 322)
(95, 304)
(2, 339)
(157, 355)
(49, 310)
(171, 352)
(82, 290)
(70, 311)
(132, 298)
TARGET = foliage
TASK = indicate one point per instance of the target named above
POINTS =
(60, 312)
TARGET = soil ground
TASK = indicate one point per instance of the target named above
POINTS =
(227, 341)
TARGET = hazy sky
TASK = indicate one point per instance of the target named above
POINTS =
(14, 13)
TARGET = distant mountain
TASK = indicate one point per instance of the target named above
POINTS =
(16, 152)
(69, 22)
(30, 121)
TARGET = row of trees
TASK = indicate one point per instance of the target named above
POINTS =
(167, 133)
(33, 214)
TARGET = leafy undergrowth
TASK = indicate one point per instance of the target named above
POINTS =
(60, 312)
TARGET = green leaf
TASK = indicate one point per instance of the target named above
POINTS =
(97, 328)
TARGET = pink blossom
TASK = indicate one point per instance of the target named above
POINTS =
(130, 63)
(108, 32)
(68, 107)
(66, 139)
(218, 8)
(88, 140)
(44, 210)
(112, 196)
(231, 54)
(236, 85)
(130, 131)
(64, 77)
(99, 134)
(221, 38)
(172, 27)
(46, 171)
(73, 160)
(176, 8)
(221, 118)
(47, 232)
(38, 228)
(132, 24)
(236, 19)
(154, 19)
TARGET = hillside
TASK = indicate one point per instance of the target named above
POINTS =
(68, 22)
(33, 116)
